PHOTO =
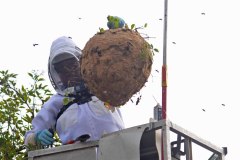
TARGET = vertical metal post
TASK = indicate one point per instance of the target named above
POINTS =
(164, 66)
(166, 147)
(164, 78)
(188, 148)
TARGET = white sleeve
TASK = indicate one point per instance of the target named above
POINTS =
(45, 118)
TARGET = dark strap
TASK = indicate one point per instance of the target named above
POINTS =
(78, 100)
(64, 108)
(81, 95)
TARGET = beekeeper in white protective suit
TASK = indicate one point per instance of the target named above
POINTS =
(73, 112)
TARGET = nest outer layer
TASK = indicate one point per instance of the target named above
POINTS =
(116, 64)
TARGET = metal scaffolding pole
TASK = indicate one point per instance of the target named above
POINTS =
(164, 66)
(164, 73)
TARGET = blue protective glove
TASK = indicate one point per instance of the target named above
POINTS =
(115, 22)
(44, 137)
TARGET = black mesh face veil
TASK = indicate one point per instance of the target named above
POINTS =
(64, 72)
(69, 72)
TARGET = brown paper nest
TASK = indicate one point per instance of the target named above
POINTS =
(116, 64)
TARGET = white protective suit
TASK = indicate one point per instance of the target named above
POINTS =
(91, 118)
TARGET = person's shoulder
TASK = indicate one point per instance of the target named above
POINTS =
(56, 95)
(55, 101)
(56, 98)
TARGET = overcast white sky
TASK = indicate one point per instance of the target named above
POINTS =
(203, 65)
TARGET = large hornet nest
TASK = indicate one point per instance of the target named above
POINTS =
(116, 64)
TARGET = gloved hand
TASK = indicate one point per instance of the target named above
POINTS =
(44, 137)
(115, 22)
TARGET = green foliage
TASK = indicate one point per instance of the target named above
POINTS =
(132, 26)
(150, 46)
(101, 30)
(67, 100)
(144, 53)
(18, 106)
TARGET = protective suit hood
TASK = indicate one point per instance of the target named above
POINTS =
(63, 48)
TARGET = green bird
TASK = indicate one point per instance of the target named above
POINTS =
(115, 22)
